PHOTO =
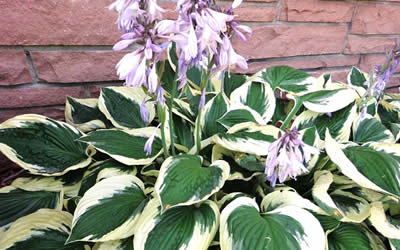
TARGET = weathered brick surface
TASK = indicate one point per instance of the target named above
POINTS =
(376, 19)
(77, 66)
(368, 62)
(54, 22)
(337, 75)
(255, 13)
(365, 45)
(55, 112)
(244, 13)
(283, 41)
(31, 97)
(394, 84)
(316, 11)
(14, 68)
(304, 63)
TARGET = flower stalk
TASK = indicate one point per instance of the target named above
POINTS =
(161, 115)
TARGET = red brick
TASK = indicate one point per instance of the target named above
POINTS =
(54, 22)
(364, 45)
(94, 90)
(255, 13)
(337, 75)
(55, 112)
(77, 66)
(265, 1)
(170, 10)
(245, 12)
(31, 97)
(394, 84)
(304, 63)
(369, 62)
(283, 41)
(14, 68)
(316, 11)
(376, 19)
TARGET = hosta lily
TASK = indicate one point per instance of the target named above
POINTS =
(287, 157)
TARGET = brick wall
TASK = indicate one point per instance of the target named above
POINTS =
(50, 49)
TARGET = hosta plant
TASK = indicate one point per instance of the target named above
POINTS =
(188, 155)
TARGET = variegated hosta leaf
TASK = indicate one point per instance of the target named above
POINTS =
(123, 244)
(116, 203)
(42, 145)
(68, 183)
(193, 98)
(237, 172)
(389, 115)
(229, 198)
(212, 111)
(385, 224)
(286, 78)
(248, 138)
(184, 134)
(339, 123)
(184, 227)
(151, 169)
(369, 129)
(257, 96)
(44, 229)
(394, 244)
(126, 146)
(342, 205)
(232, 82)
(328, 222)
(183, 181)
(85, 114)
(289, 227)
(121, 105)
(182, 109)
(353, 236)
(240, 115)
(359, 163)
(172, 57)
(71, 203)
(16, 203)
(286, 196)
(357, 78)
(323, 101)
(100, 170)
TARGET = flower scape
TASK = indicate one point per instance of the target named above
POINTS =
(190, 155)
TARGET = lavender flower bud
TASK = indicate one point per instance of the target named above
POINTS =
(144, 112)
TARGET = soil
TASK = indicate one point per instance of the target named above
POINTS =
(9, 171)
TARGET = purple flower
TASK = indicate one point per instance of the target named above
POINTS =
(130, 68)
(228, 57)
(383, 73)
(152, 80)
(202, 99)
(160, 95)
(144, 112)
(287, 156)
(131, 12)
(148, 144)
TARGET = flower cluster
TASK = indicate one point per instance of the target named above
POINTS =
(205, 33)
(201, 31)
(138, 19)
(380, 77)
(287, 156)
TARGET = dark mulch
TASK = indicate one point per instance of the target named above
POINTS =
(9, 171)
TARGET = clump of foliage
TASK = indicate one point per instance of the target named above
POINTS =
(217, 162)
